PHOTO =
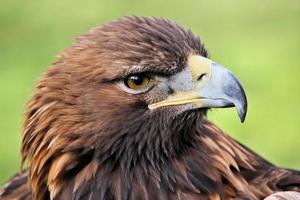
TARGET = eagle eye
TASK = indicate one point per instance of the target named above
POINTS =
(135, 84)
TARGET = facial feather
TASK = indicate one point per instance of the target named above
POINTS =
(85, 138)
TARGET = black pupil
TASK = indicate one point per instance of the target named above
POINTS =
(138, 80)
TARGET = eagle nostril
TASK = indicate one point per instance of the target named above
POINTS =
(201, 77)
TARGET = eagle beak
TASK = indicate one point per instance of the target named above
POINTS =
(210, 85)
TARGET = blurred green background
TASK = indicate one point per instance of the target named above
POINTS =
(258, 40)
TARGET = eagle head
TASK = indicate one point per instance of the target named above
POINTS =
(128, 93)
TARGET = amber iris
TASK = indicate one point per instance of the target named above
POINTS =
(137, 82)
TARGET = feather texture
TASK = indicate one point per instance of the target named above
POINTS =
(84, 138)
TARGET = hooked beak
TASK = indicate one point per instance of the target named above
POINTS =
(211, 86)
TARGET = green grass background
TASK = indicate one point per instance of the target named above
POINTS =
(258, 40)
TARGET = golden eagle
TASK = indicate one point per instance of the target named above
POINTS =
(121, 115)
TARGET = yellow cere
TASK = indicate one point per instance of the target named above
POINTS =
(198, 66)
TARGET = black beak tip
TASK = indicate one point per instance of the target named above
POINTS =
(242, 112)
(242, 118)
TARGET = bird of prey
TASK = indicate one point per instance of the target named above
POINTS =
(121, 115)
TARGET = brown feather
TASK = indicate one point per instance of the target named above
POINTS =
(84, 138)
